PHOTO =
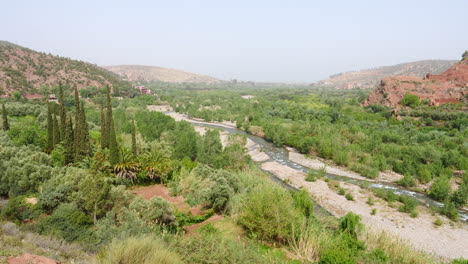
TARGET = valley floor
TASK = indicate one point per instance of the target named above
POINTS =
(447, 241)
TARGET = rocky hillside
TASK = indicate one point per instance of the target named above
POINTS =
(450, 86)
(25, 70)
(370, 78)
(140, 73)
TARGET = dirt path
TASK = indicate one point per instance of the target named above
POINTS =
(445, 241)
(189, 230)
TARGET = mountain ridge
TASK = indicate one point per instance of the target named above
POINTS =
(26, 70)
(370, 78)
(147, 73)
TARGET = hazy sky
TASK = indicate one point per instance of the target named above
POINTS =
(290, 41)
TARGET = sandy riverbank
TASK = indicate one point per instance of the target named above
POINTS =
(445, 241)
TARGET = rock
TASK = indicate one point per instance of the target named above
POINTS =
(27, 258)
(448, 87)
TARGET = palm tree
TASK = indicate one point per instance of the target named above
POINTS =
(156, 164)
(128, 168)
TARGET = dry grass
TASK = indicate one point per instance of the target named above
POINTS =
(307, 242)
(398, 250)
(144, 250)
(14, 242)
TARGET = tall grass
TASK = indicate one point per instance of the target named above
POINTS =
(398, 250)
(307, 241)
(142, 250)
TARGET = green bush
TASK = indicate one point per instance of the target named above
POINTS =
(67, 222)
(142, 250)
(208, 248)
(377, 256)
(303, 202)
(409, 204)
(17, 209)
(460, 260)
(410, 100)
(351, 224)
(213, 188)
(349, 197)
(268, 212)
(440, 189)
(338, 255)
(407, 181)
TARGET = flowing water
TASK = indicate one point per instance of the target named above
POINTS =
(281, 155)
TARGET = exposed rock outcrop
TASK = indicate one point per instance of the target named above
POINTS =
(448, 87)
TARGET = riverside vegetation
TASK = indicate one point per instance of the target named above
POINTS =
(427, 145)
(67, 170)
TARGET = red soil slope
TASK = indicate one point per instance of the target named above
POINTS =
(448, 87)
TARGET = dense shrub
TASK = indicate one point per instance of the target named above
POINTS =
(440, 189)
(67, 222)
(152, 124)
(17, 209)
(22, 168)
(410, 100)
(268, 213)
(213, 188)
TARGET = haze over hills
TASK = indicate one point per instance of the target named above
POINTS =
(370, 78)
(141, 73)
(25, 70)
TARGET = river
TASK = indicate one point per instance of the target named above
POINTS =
(281, 155)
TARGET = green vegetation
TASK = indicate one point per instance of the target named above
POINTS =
(68, 171)
(428, 143)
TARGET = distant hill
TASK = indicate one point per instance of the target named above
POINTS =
(450, 86)
(141, 73)
(25, 70)
(370, 78)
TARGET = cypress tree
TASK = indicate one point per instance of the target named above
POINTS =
(6, 125)
(86, 145)
(113, 148)
(109, 118)
(78, 133)
(69, 144)
(134, 145)
(104, 142)
(63, 115)
(50, 130)
(56, 130)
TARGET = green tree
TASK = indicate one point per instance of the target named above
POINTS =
(78, 132)
(56, 130)
(63, 114)
(113, 147)
(93, 194)
(6, 125)
(69, 141)
(134, 144)
(185, 141)
(109, 117)
(211, 148)
(104, 142)
(50, 130)
(86, 149)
